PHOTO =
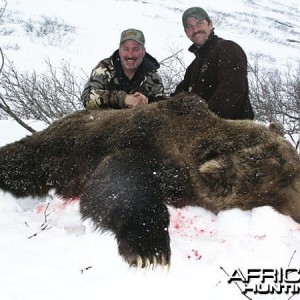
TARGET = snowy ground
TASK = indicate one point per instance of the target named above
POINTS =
(47, 252)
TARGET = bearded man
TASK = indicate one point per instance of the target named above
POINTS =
(219, 72)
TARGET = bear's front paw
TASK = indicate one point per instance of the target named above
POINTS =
(145, 249)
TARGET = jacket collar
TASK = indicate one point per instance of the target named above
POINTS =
(199, 50)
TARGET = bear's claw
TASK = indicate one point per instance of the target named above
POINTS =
(147, 254)
(148, 263)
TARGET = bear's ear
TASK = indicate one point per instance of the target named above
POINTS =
(216, 176)
(212, 170)
(277, 127)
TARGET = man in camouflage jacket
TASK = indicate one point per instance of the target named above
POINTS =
(219, 72)
(126, 79)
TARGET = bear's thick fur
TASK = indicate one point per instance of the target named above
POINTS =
(128, 165)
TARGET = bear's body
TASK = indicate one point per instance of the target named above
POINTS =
(128, 165)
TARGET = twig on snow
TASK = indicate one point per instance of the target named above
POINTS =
(45, 225)
(291, 258)
(85, 269)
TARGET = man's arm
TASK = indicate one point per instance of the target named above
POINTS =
(232, 81)
(154, 88)
(95, 94)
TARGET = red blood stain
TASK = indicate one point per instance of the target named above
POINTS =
(195, 254)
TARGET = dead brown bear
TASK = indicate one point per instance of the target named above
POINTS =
(128, 165)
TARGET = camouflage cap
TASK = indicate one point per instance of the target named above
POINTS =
(132, 34)
(196, 12)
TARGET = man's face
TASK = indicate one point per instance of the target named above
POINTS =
(131, 54)
(198, 30)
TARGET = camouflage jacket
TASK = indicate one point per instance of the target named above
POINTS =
(108, 85)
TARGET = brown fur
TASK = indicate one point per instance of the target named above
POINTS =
(127, 165)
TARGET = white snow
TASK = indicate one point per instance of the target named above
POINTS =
(48, 253)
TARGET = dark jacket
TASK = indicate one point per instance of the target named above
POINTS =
(219, 75)
(108, 85)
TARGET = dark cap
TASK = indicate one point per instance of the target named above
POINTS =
(132, 34)
(196, 12)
